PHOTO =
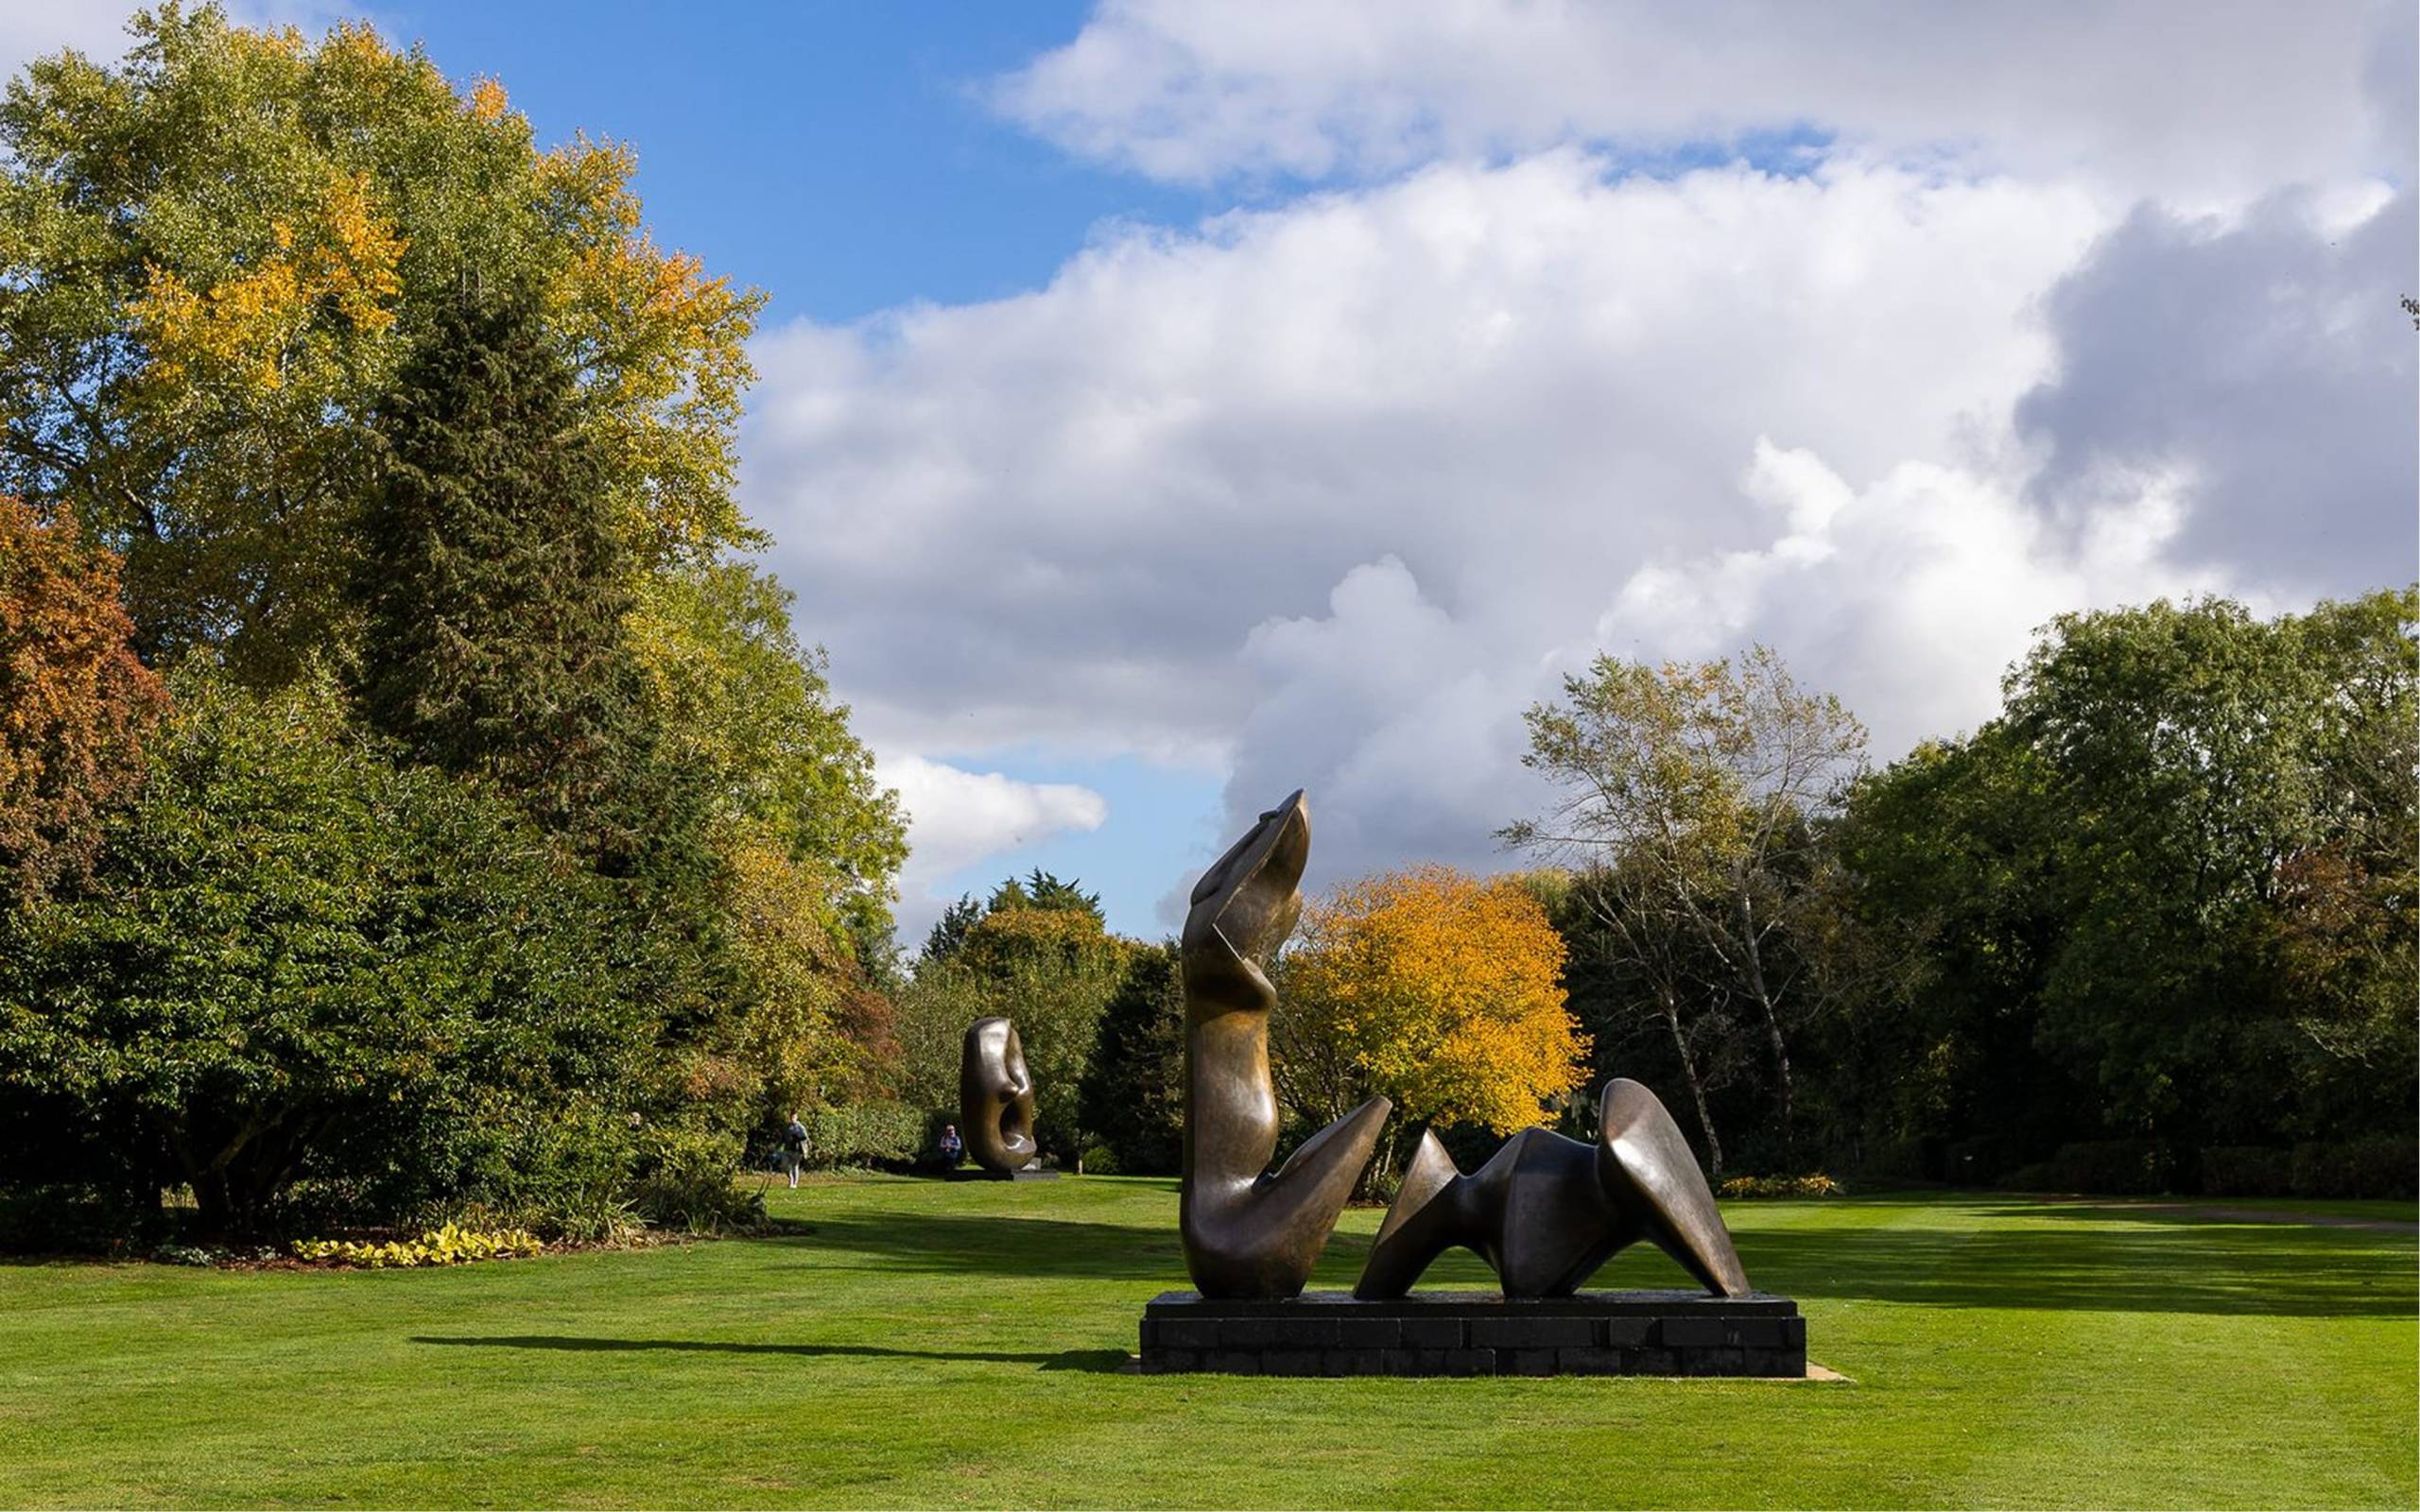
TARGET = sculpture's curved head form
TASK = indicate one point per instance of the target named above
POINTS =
(996, 1097)
(1245, 905)
(1248, 1232)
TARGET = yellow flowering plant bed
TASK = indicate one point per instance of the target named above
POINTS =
(449, 1246)
(1815, 1185)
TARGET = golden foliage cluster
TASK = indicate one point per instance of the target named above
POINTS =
(1439, 990)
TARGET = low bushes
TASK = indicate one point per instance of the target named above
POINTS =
(2379, 1167)
(2247, 1171)
(864, 1134)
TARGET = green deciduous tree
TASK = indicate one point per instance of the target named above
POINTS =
(1693, 791)
(301, 973)
(215, 255)
(2168, 893)
(741, 701)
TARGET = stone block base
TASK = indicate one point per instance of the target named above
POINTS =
(1477, 1333)
(976, 1173)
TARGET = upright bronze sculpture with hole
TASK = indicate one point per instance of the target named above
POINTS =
(995, 1101)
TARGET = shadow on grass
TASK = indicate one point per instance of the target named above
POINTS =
(2088, 1258)
(2096, 1259)
(1101, 1361)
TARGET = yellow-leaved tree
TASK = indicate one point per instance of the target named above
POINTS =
(1439, 990)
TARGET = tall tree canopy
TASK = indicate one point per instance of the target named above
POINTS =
(1689, 792)
(2176, 874)
(215, 255)
(493, 582)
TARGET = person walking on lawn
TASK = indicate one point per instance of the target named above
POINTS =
(794, 1143)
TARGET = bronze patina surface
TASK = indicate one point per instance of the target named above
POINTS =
(996, 1097)
(1247, 1233)
(1546, 1212)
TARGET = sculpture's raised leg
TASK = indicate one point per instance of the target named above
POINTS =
(1546, 1212)
(996, 1097)
(1646, 1167)
(1249, 1233)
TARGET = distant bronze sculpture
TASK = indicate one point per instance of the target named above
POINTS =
(1248, 1233)
(1546, 1212)
(996, 1097)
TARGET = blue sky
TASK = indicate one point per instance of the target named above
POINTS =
(835, 156)
(1164, 405)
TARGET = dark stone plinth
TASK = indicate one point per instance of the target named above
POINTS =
(976, 1173)
(1477, 1333)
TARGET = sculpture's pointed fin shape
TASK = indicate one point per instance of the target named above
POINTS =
(1316, 1180)
(1409, 1239)
(1650, 1172)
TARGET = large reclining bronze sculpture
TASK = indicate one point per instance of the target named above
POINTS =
(1248, 1233)
(1546, 1212)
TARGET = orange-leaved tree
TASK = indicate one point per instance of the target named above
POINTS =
(1442, 990)
(74, 703)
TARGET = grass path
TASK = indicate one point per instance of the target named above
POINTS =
(915, 1343)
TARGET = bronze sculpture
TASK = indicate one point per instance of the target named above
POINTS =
(996, 1097)
(1545, 1211)
(1249, 1233)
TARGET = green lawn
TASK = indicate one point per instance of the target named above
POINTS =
(920, 1343)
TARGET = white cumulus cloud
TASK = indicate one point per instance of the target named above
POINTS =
(2174, 98)
(957, 818)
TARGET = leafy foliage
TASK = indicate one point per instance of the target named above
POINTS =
(301, 974)
(74, 703)
(219, 253)
(2172, 882)
(1133, 1094)
(1434, 988)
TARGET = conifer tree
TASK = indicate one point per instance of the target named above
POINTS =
(496, 582)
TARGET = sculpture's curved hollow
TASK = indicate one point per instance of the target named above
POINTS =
(1247, 1233)
(1546, 1212)
(996, 1097)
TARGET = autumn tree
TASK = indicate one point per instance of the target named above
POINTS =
(1432, 987)
(1693, 790)
(219, 253)
(74, 702)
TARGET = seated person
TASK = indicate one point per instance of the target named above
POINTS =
(953, 1148)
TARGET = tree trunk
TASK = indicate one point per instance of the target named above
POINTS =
(1753, 957)
(1697, 1090)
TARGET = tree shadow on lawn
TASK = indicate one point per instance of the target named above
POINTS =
(2091, 1258)
(1100, 1362)
(2097, 1260)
